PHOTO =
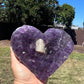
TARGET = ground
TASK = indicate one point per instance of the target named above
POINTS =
(4, 43)
(77, 48)
(70, 72)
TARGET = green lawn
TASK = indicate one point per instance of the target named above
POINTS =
(6, 76)
(71, 72)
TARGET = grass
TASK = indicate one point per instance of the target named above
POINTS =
(71, 71)
(77, 56)
(6, 76)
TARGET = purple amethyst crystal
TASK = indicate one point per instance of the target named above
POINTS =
(42, 53)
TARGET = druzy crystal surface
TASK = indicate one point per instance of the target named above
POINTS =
(56, 43)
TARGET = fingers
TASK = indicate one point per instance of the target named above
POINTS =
(14, 60)
(15, 64)
(20, 71)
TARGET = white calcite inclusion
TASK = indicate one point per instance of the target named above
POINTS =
(40, 46)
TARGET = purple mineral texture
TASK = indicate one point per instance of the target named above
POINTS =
(42, 53)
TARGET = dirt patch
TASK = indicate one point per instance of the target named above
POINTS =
(4, 43)
(79, 49)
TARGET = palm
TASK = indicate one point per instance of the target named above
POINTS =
(22, 73)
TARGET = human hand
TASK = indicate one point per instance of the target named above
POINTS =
(21, 73)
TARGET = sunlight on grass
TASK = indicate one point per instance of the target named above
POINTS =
(4, 52)
(6, 76)
(71, 71)
(77, 56)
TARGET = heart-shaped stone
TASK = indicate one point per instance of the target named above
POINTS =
(42, 53)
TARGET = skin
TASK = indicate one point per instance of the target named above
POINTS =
(21, 73)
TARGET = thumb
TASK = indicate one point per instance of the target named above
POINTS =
(13, 57)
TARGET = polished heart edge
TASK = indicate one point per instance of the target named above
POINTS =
(26, 28)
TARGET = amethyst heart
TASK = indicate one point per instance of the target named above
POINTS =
(42, 53)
